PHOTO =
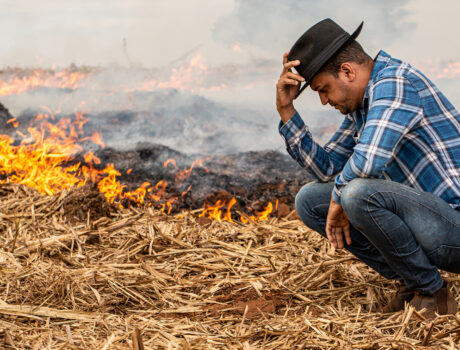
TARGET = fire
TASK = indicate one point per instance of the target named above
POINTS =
(185, 174)
(20, 82)
(450, 71)
(37, 161)
(213, 212)
(216, 212)
(13, 122)
(187, 77)
(138, 195)
(261, 216)
(170, 161)
(44, 159)
(191, 76)
(40, 162)
(236, 46)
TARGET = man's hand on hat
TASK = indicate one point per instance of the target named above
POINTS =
(286, 89)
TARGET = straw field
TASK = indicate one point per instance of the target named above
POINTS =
(78, 273)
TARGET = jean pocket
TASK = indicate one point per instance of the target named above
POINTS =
(446, 258)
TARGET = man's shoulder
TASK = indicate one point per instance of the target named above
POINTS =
(396, 71)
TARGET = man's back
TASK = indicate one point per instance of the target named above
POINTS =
(409, 124)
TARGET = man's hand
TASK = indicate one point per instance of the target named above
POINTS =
(336, 223)
(286, 89)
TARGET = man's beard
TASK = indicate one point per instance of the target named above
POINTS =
(345, 110)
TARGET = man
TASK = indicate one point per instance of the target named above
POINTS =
(389, 178)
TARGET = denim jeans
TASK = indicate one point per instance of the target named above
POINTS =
(400, 232)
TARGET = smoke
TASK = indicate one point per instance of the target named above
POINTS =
(165, 106)
(273, 26)
(191, 106)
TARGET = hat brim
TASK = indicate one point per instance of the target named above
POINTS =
(328, 53)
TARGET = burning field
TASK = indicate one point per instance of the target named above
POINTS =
(146, 246)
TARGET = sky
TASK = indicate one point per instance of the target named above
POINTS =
(88, 32)
(237, 39)
(91, 32)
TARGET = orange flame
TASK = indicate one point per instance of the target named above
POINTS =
(40, 159)
(214, 212)
(13, 122)
(190, 76)
(185, 174)
(39, 162)
(20, 83)
(169, 161)
(236, 46)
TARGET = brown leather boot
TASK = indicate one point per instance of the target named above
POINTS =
(441, 302)
(402, 295)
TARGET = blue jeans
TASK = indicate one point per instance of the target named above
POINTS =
(400, 232)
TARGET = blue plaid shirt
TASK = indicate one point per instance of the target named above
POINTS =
(406, 131)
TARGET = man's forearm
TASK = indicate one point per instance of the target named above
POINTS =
(301, 146)
(286, 113)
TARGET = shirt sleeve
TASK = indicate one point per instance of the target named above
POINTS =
(394, 109)
(321, 162)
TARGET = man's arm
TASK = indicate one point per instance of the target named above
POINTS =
(322, 162)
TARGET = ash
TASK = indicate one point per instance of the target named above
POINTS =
(253, 178)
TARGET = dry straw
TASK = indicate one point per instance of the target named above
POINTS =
(139, 279)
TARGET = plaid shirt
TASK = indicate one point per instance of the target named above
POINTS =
(406, 131)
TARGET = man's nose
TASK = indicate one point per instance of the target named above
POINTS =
(323, 98)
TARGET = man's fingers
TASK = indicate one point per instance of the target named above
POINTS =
(331, 236)
(285, 81)
(295, 76)
(339, 237)
(288, 65)
(291, 64)
(285, 57)
(347, 232)
(328, 233)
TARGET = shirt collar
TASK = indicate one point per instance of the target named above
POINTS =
(380, 62)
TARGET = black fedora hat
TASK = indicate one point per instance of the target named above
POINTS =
(317, 45)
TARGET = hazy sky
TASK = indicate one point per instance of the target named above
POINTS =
(46, 32)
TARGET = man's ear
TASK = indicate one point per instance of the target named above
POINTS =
(348, 71)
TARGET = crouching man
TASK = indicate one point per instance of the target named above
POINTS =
(388, 185)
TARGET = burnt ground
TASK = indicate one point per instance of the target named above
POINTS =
(254, 178)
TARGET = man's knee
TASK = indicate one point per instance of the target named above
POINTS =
(312, 203)
(306, 195)
(355, 195)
